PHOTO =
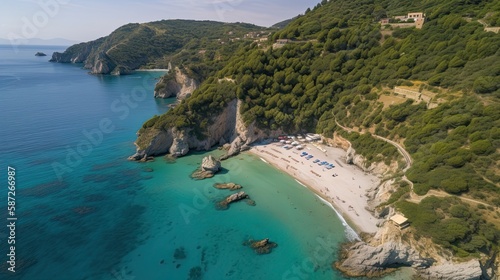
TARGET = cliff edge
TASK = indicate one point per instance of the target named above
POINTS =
(177, 84)
(225, 128)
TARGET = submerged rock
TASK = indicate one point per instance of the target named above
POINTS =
(227, 186)
(180, 253)
(169, 158)
(261, 247)
(195, 273)
(250, 202)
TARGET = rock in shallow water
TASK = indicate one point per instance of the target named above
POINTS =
(261, 247)
(209, 167)
(180, 253)
(210, 164)
(227, 186)
(224, 204)
(195, 273)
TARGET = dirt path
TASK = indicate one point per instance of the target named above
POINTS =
(409, 161)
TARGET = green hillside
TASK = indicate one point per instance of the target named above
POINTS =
(339, 64)
(201, 44)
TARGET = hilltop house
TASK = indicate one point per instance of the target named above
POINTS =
(415, 16)
(418, 20)
(409, 16)
(280, 43)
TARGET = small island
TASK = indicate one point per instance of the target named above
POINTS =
(40, 54)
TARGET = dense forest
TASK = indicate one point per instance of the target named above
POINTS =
(204, 45)
(339, 63)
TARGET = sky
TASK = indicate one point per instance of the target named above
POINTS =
(90, 19)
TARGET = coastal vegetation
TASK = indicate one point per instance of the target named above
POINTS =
(452, 224)
(335, 65)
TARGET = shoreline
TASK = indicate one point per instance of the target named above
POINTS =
(344, 193)
(151, 70)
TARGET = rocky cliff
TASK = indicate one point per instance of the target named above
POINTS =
(352, 157)
(77, 53)
(470, 270)
(226, 128)
(392, 248)
(176, 84)
(125, 49)
(95, 56)
(366, 260)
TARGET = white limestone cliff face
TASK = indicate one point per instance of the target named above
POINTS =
(178, 142)
(181, 86)
(180, 145)
(100, 66)
(470, 270)
(364, 259)
(389, 249)
(210, 164)
(227, 127)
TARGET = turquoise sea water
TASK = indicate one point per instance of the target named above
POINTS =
(85, 212)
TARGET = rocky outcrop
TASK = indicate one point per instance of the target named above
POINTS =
(40, 54)
(353, 158)
(100, 64)
(77, 53)
(238, 145)
(227, 186)
(470, 270)
(224, 204)
(116, 54)
(210, 164)
(260, 247)
(209, 167)
(156, 142)
(176, 84)
(362, 259)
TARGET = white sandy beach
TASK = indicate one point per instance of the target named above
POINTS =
(346, 191)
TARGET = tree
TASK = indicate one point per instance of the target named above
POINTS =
(486, 84)
(460, 211)
(454, 186)
(482, 147)
(456, 62)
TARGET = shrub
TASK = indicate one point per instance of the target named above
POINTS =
(482, 147)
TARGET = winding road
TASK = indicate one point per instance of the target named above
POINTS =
(409, 161)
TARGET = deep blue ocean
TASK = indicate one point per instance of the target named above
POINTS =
(84, 212)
